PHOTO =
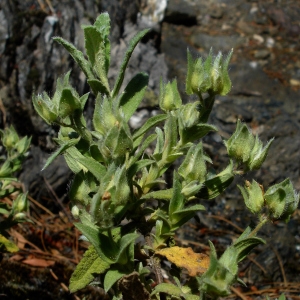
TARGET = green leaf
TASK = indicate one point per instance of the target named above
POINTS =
(97, 87)
(149, 124)
(182, 216)
(126, 58)
(167, 288)
(4, 208)
(144, 146)
(85, 163)
(111, 277)
(102, 24)
(63, 147)
(68, 103)
(177, 200)
(134, 168)
(161, 194)
(244, 247)
(89, 265)
(196, 132)
(171, 135)
(6, 245)
(77, 56)
(133, 94)
(125, 242)
(193, 208)
(213, 187)
(105, 248)
(95, 49)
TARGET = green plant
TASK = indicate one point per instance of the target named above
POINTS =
(116, 180)
(16, 152)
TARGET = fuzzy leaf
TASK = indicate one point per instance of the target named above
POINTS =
(111, 277)
(167, 288)
(161, 194)
(78, 57)
(126, 58)
(63, 147)
(89, 265)
(106, 250)
(86, 163)
(149, 124)
(95, 49)
(133, 94)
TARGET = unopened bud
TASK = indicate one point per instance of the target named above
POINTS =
(253, 196)
(169, 96)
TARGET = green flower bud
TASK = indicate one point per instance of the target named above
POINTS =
(118, 141)
(6, 170)
(104, 117)
(9, 137)
(191, 189)
(221, 84)
(258, 154)
(20, 204)
(194, 165)
(20, 217)
(198, 77)
(75, 211)
(120, 193)
(45, 108)
(208, 75)
(169, 98)
(282, 200)
(241, 143)
(253, 196)
(68, 102)
(23, 145)
(188, 115)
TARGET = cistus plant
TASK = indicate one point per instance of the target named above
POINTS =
(14, 151)
(116, 195)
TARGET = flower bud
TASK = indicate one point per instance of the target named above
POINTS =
(188, 115)
(68, 102)
(282, 200)
(120, 190)
(191, 189)
(240, 144)
(20, 204)
(194, 165)
(118, 141)
(258, 154)
(20, 217)
(221, 84)
(6, 170)
(198, 78)
(44, 107)
(75, 211)
(253, 196)
(169, 98)
(9, 137)
(209, 75)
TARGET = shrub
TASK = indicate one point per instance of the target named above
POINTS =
(116, 179)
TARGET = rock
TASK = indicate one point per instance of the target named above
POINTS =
(262, 54)
(217, 43)
(216, 11)
(181, 12)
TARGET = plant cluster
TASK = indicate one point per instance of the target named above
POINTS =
(116, 194)
(16, 150)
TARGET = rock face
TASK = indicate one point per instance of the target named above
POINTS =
(265, 71)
